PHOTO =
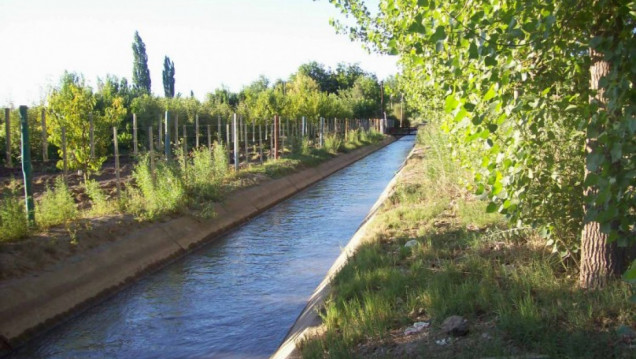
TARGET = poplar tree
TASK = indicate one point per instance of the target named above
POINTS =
(141, 74)
(168, 77)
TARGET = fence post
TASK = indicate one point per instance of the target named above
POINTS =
(151, 153)
(209, 137)
(26, 166)
(91, 134)
(303, 129)
(166, 139)
(45, 142)
(116, 161)
(260, 142)
(227, 141)
(322, 132)
(219, 134)
(276, 125)
(135, 147)
(160, 139)
(196, 131)
(245, 142)
(176, 128)
(185, 141)
(7, 130)
(64, 157)
(236, 142)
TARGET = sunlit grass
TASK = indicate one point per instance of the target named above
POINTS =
(463, 265)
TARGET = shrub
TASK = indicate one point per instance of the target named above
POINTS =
(163, 194)
(56, 206)
(333, 143)
(99, 200)
(13, 222)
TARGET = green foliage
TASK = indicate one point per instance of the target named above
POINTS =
(510, 80)
(168, 77)
(141, 74)
(13, 220)
(56, 206)
(99, 200)
(333, 143)
(204, 172)
(165, 193)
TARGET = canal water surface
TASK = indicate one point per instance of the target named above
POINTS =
(238, 296)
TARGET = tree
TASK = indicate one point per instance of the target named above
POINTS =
(168, 77)
(70, 106)
(141, 74)
(514, 78)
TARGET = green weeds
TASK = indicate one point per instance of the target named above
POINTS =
(511, 288)
(13, 222)
(56, 206)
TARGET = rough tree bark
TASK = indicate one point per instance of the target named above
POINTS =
(600, 259)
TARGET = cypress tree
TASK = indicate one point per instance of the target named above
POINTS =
(141, 74)
(168, 77)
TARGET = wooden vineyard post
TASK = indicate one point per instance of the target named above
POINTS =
(236, 142)
(227, 141)
(322, 132)
(209, 137)
(196, 131)
(45, 142)
(260, 142)
(166, 139)
(151, 153)
(7, 131)
(160, 138)
(185, 153)
(135, 146)
(245, 142)
(26, 166)
(91, 134)
(116, 162)
(276, 134)
(176, 129)
(64, 157)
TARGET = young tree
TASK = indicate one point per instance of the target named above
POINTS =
(141, 74)
(168, 77)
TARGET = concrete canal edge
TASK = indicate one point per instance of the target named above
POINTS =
(309, 319)
(32, 304)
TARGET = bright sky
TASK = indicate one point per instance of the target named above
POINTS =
(212, 42)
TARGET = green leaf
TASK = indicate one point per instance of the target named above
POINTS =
(439, 34)
(616, 151)
(490, 61)
(450, 103)
(469, 106)
(492, 207)
(422, 3)
(473, 51)
(593, 161)
(490, 94)
(630, 275)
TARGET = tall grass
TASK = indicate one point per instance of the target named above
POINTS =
(333, 143)
(100, 204)
(56, 206)
(13, 222)
(512, 289)
(160, 195)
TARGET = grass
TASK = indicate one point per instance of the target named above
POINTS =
(56, 206)
(13, 222)
(509, 286)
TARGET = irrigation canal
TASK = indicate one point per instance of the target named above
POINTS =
(237, 296)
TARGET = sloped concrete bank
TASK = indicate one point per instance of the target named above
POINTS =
(35, 303)
(309, 320)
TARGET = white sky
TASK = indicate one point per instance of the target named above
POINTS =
(212, 42)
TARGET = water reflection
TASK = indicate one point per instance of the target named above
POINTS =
(238, 296)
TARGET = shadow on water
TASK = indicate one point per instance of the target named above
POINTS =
(237, 296)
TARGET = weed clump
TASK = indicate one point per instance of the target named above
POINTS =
(56, 205)
(13, 222)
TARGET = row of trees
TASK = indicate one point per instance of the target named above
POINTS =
(313, 92)
(539, 98)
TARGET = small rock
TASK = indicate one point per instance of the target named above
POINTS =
(455, 325)
(411, 243)
(416, 327)
(444, 341)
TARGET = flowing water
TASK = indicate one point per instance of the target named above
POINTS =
(238, 296)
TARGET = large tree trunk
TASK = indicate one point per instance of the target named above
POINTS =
(600, 260)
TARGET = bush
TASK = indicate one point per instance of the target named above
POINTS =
(13, 221)
(99, 200)
(333, 143)
(163, 194)
(56, 206)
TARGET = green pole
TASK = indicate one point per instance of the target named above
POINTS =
(26, 166)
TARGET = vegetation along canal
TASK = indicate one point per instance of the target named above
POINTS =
(237, 296)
